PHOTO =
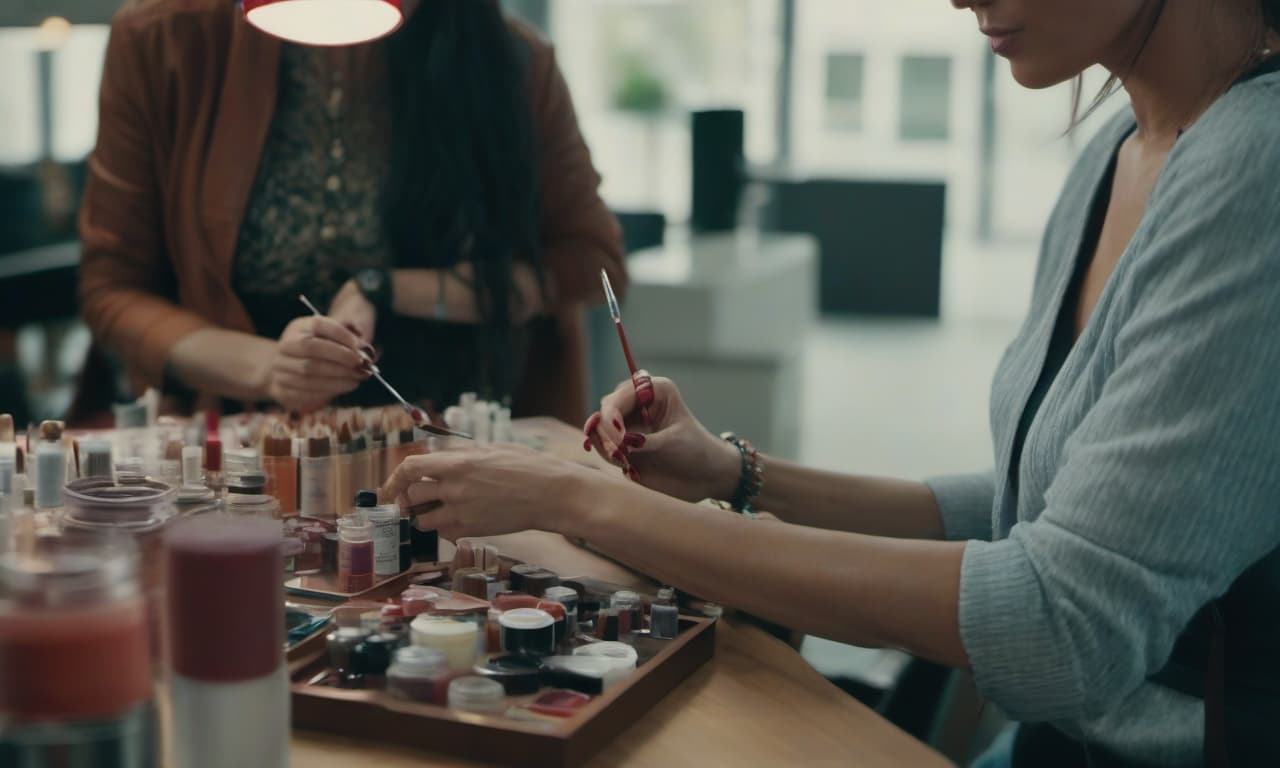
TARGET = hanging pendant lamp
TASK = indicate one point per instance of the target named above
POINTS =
(325, 22)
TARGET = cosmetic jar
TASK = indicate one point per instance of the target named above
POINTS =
(75, 659)
(419, 674)
(527, 632)
(477, 694)
(455, 639)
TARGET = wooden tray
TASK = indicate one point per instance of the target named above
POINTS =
(377, 716)
(325, 586)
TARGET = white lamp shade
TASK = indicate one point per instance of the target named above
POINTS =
(325, 22)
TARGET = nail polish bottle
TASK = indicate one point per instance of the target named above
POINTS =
(281, 468)
(212, 453)
(343, 469)
(229, 683)
(630, 614)
(362, 463)
(664, 616)
(355, 555)
(51, 470)
(316, 494)
(8, 438)
(378, 470)
(481, 423)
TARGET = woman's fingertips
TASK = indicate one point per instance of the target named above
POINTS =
(618, 456)
(586, 445)
(592, 424)
(633, 440)
(634, 475)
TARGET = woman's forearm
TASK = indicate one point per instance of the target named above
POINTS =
(419, 293)
(847, 587)
(229, 364)
(869, 505)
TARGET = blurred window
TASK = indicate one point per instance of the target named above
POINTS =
(925, 99)
(844, 91)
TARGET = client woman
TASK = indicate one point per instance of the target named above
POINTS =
(1113, 583)
(431, 190)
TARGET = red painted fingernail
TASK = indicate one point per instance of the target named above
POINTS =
(617, 425)
(634, 475)
(633, 440)
(586, 445)
(619, 456)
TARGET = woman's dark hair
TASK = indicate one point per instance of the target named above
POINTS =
(464, 183)
(1270, 15)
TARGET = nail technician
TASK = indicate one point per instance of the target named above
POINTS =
(1113, 583)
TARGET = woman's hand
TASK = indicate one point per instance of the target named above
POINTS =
(316, 360)
(353, 310)
(495, 490)
(680, 458)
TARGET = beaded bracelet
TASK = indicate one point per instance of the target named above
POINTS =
(751, 478)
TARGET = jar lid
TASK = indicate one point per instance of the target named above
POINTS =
(561, 594)
(248, 482)
(60, 574)
(347, 635)
(526, 618)
(434, 627)
(418, 661)
(353, 529)
(98, 502)
(620, 654)
(475, 690)
(518, 675)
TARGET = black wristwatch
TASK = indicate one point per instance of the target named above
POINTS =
(375, 285)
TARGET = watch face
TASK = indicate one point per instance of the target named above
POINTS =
(370, 280)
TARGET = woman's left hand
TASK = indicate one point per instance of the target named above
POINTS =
(353, 310)
(496, 490)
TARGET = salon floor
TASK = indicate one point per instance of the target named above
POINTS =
(908, 398)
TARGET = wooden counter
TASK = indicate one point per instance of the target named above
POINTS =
(756, 703)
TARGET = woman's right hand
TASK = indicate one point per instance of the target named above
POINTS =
(315, 360)
(679, 458)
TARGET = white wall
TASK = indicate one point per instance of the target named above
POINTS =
(1033, 156)
(884, 33)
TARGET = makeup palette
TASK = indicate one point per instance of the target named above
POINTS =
(502, 681)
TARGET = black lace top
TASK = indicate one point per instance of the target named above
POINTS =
(315, 217)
